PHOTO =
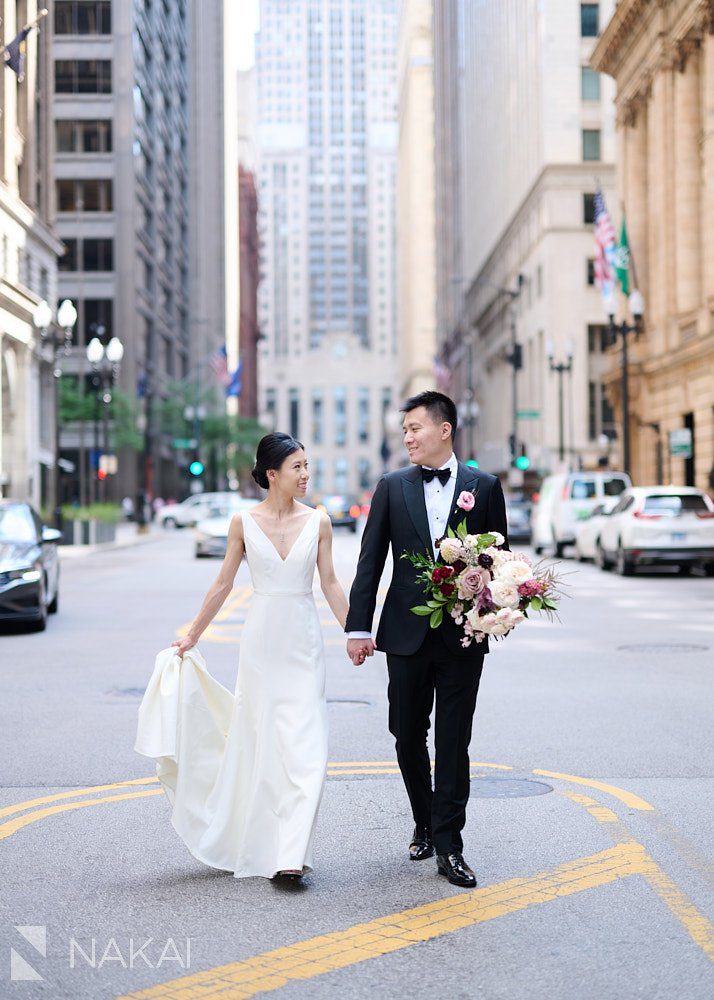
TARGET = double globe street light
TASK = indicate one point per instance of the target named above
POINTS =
(105, 361)
(58, 336)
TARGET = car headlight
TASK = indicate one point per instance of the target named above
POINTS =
(28, 575)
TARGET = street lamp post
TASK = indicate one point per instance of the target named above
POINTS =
(636, 304)
(59, 337)
(105, 363)
(561, 368)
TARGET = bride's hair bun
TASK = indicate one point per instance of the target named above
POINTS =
(273, 449)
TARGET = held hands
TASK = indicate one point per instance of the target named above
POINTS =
(359, 649)
(184, 644)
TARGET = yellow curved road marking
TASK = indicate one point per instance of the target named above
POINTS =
(699, 927)
(315, 956)
(13, 825)
(58, 796)
(629, 798)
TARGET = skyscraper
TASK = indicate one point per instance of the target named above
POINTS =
(327, 138)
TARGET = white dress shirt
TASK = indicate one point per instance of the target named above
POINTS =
(439, 501)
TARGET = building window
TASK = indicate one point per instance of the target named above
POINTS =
(98, 255)
(340, 397)
(364, 473)
(591, 271)
(589, 20)
(363, 415)
(90, 195)
(68, 260)
(294, 412)
(589, 84)
(601, 416)
(341, 472)
(588, 209)
(83, 76)
(598, 338)
(83, 17)
(98, 316)
(317, 475)
(318, 417)
(90, 136)
(271, 407)
(591, 143)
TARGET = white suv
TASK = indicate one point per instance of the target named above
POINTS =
(655, 525)
(191, 510)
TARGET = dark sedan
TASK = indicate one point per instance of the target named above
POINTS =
(343, 511)
(518, 515)
(29, 565)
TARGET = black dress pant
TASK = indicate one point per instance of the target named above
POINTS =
(413, 682)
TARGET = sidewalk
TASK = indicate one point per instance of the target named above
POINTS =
(127, 536)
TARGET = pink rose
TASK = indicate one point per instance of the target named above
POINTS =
(466, 501)
(471, 583)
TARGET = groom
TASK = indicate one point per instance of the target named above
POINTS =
(411, 509)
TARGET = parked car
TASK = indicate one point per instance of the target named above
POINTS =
(344, 511)
(29, 565)
(212, 532)
(568, 497)
(191, 510)
(518, 516)
(659, 525)
(587, 532)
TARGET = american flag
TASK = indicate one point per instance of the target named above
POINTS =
(219, 363)
(605, 252)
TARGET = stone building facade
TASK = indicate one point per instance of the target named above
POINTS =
(662, 59)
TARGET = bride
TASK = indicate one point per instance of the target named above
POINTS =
(265, 782)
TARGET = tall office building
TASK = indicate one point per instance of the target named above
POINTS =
(525, 135)
(121, 132)
(28, 270)
(327, 141)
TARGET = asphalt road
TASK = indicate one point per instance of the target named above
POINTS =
(590, 823)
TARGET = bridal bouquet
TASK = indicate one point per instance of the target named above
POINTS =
(486, 589)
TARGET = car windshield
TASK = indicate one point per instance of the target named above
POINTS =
(583, 489)
(614, 487)
(670, 505)
(16, 525)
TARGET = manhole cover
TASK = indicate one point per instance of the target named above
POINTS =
(127, 692)
(664, 647)
(348, 701)
(507, 788)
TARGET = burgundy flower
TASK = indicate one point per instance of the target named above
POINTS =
(447, 589)
(441, 573)
(485, 560)
(459, 566)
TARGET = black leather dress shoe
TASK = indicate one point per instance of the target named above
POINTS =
(456, 870)
(422, 846)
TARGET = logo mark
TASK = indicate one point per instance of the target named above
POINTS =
(20, 968)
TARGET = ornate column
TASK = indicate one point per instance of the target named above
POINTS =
(707, 163)
(634, 188)
(687, 177)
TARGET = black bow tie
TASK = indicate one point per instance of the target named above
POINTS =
(444, 475)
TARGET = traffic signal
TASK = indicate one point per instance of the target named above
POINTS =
(473, 463)
(196, 468)
(522, 461)
(515, 357)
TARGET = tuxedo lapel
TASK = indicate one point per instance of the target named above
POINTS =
(413, 491)
(464, 481)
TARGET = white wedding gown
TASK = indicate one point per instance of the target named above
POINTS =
(245, 774)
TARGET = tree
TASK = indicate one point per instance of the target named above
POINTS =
(82, 407)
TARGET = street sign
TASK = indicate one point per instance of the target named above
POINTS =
(182, 443)
(680, 443)
(528, 414)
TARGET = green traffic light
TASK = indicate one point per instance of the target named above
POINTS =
(473, 463)
(196, 468)
(523, 462)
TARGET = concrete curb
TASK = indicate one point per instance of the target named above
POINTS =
(81, 551)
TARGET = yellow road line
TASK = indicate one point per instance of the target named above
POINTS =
(57, 796)
(307, 959)
(629, 798)
(699, 927)
(13, 825)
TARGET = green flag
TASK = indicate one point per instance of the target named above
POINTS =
(622, 260)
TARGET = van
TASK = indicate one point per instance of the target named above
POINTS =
(568, 497)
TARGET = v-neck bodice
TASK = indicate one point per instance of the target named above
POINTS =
(272, 575)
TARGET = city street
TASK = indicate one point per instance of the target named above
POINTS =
(590, 819)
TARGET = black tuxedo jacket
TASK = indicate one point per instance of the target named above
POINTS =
(398, 518)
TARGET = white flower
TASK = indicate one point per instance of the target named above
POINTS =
(451, 549)
(505, 593)
(516, 570)
(498, 536)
